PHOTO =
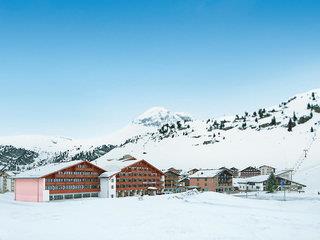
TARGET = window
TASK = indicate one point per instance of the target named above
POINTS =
(57, 197)
(69, 196)
(77, 196)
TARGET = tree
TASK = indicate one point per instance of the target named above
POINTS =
(308, 106)
(313, 96)
(311, 130)
(290, 125)
(273, 121)
(272, 183)
(294, 118)
(254, 114)
(256, 120)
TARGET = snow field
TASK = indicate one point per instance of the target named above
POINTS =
(180, 216)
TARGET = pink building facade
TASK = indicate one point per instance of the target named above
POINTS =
(31, 190)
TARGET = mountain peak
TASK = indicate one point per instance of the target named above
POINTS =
(158, 116)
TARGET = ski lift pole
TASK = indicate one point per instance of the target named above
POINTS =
(282, 183)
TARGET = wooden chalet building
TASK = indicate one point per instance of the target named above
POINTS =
(68, 180)
(216, 180)
(171, 181)
(129, 177)
(172, 169)
(249, 172)
(234, 171)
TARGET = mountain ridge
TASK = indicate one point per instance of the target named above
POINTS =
(167, 139)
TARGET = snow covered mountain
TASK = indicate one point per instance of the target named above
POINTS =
(158, 116)
(284, 136)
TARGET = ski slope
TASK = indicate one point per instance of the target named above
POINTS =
(205, 216)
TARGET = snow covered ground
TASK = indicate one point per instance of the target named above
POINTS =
(181, 216)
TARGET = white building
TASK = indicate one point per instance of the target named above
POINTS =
(252, 183)
(6, 181)
(267, 170)
(258, 183)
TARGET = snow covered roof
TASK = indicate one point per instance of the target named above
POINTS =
(206, 173)
(113, 166)
(47, 169)
(283, 171)
(255, 179)
(266, 166)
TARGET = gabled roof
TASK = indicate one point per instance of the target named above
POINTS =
(207, 173)
(255, 179)
(250, 167)
(171, 171)
(114, 166)
(47, 169)
(266, 166)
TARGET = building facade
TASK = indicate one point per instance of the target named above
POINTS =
(234, 171)
(171, 182)
(70, 180)
(259, 183)
(130, 177)
(266, 170)
(216, 180)
(6, 182)
(249, 172)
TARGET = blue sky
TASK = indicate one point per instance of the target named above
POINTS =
(86, 68)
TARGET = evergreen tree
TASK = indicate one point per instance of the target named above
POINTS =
(272, 184)
(309, 106)
(273, 121)
(254, 114)
(311, 130)
(290, 125)
(256, 120)
(179, 125)
(294, 118)
(313, 96)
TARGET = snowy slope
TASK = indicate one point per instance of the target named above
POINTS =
(206, 216)
(170, 139)
(255, 145)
